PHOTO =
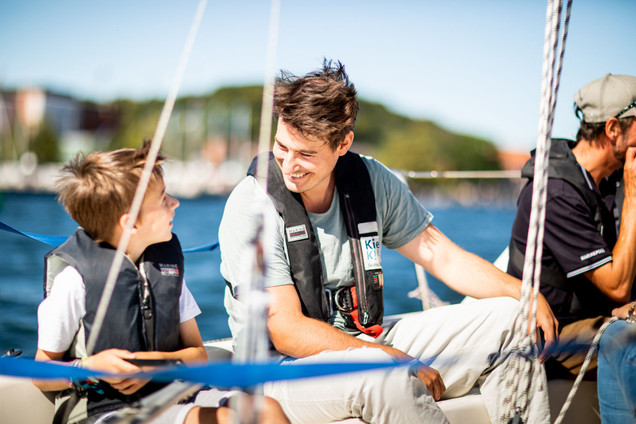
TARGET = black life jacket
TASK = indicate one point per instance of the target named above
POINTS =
(357, 202)
(132, 320)
(563, 166)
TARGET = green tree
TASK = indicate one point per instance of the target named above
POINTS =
(45, 144)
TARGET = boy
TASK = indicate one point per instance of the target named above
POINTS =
(151, 314)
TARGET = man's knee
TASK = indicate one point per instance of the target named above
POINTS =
(272, 412)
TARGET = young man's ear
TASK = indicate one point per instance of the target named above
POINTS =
(345, 144)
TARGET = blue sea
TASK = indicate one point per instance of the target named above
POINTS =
(481, 230)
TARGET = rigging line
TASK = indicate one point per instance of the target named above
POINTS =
(549, 122)
(267, 106)
(145, 178)
(544, 141)
(534, 248)
(586, 363)
(254, 346)
(566, 25)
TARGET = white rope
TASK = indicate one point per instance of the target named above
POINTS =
(519, 373)
(254, 341)
(144, 180)
(586, 363)
(254, 337)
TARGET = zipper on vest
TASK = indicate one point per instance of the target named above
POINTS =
(361, 287)
(147, 307)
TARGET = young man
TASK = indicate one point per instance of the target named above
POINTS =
(151, 314)
(588, 266)
(332, 210)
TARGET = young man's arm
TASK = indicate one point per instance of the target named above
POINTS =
(471, 275)
(298, 336)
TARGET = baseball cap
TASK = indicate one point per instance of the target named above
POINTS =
(607, 97)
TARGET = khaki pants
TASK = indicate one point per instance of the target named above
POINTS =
(466, 342)
(575, 340)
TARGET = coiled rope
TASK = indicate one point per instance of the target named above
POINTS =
(144, 180)
(518, 374)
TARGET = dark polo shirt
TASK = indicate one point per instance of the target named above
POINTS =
(571, 244)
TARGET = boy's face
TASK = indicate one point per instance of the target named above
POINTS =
(154, 224)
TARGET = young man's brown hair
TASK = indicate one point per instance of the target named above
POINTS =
(98, 188)
(322, 104)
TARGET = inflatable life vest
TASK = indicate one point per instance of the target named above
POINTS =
(133, 321)
(563, 166)
(361, 305)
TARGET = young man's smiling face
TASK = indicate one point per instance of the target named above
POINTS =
(307, 163)
(154, 224)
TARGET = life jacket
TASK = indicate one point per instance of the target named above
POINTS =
(361, 305)
(132, 320)
(563, 166)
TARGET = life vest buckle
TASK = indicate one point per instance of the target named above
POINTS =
(343, 299)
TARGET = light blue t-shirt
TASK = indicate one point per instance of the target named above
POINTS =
(399, 215)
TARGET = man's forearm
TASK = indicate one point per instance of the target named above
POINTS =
(306, 337)
(615, 278)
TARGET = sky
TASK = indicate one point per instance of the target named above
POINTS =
(473, 67)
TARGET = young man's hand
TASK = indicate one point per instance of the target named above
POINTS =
(433, 380)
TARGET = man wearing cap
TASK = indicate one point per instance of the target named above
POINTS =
(589, 246)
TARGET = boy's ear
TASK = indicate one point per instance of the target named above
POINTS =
(123, 221)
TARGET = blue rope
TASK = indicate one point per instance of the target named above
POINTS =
(57, 240)
(218, 374)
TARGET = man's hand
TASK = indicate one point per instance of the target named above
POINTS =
(629, 173)
(623, 311)
(115, 361)
(432, 379)
(547, 322)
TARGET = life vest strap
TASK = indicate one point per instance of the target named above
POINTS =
(374, 330)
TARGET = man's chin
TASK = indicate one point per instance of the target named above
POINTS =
(291, 187)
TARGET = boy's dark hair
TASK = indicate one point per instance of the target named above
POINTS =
(322, 104)
(98, 188)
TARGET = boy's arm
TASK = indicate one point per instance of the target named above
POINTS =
(111, 360)
(193, 350)
(49, 385)
(114, 360)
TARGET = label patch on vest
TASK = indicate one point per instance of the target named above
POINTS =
(371, 252)
(296, 233)
(170, 270)
(367, 227)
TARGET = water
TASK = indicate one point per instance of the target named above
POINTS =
(484, 231)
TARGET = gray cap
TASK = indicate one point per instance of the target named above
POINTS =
(607, 97)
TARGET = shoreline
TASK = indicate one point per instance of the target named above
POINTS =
(199, 178)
